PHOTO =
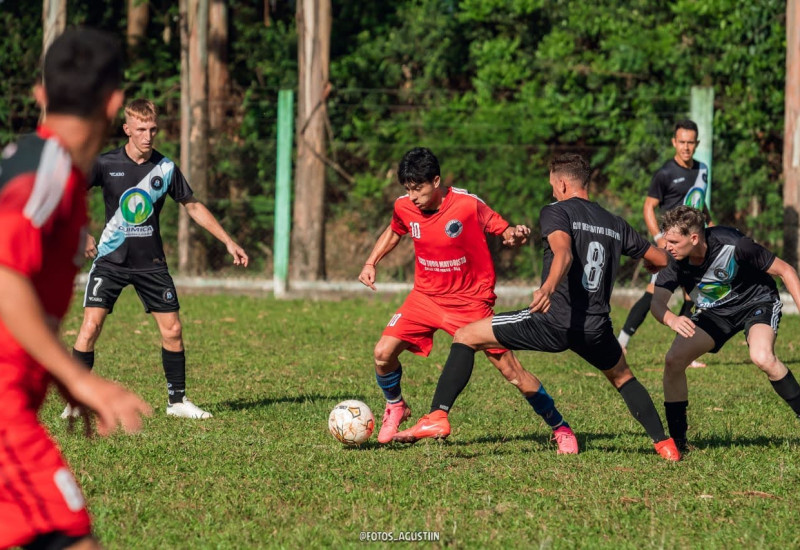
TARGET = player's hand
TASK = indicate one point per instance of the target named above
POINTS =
(91, 247)
(516, 236)
(661, 243)
(239, 255)
(112, 404)
(650, 267)
(367, 276)
(541, 300)
(682, 325)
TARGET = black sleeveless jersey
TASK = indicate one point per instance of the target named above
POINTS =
(581, 300)
(134, 195)
(673, 185)
(731, 277)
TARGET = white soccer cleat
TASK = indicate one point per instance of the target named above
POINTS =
(187, 409)
(71, 412)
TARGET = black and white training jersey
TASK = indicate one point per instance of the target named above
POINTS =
(134, 195)
(673, 185)
(732, 275)
(581, 300)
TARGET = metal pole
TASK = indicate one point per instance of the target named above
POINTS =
(702, 112)
(283, 190)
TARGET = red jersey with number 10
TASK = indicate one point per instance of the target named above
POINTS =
(453, 264)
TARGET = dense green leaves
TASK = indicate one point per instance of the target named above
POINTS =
(494, 87)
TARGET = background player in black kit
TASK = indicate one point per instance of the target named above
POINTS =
(136, 179)
(681, 180)
(731, 280)
(582, 248)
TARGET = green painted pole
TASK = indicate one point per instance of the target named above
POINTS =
(702, 112)
(283, 191)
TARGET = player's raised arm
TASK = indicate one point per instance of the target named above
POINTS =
(561, 245)
(385, 244)
(205, 219)
(22, 314)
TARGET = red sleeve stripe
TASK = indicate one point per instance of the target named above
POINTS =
(55, 167)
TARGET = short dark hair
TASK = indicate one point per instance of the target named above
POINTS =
(82, 67)
(685, 219)
(419, 165)
(686, 124)
(572, 165)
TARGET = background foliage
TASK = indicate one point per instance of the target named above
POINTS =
(494, 87)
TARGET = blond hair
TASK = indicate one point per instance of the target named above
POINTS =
(143, 109)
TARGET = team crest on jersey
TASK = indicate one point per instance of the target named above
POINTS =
(757, 312)
(136, 206)
(169, 295)
(720, 274)
(157, 183)
(453, 228)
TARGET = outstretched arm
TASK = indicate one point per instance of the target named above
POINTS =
(22, 314)
(789, 277)
(205, 219)
(385, 244)
(650, 219)
(561, 245)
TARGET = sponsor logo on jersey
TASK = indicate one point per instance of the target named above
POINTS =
(136, 206)
(116, 174)
(453, 228)
(137, 230)
(696, 198)
(156, 183)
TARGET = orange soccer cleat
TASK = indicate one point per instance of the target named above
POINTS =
(433, 425)
(566, 440)
(668, 450)
(394, 415)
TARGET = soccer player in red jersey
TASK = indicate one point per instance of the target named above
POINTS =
(453, 286)
(42, 241)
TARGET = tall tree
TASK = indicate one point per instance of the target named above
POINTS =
(138, 17)
(54, 19)
(791, 140)
(218, 74)
(313, 60)
(194, 107)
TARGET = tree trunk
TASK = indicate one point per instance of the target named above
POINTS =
(308, 232)
(54, 19)
(138, 17)
(791, 140)
(194, 128)
(218, 75)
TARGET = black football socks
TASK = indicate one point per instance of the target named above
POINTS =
(454, 378)
(174, 363)
(641, 406)
(637, 316)
(788, 388)
(85, 357)
(677, 421)
(390, 384)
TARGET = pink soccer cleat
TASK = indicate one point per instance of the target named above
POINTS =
(394, 415)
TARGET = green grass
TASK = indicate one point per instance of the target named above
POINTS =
(265, 472)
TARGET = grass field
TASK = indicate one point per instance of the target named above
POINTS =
(265, 472)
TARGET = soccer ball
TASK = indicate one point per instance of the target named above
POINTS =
(351, 422)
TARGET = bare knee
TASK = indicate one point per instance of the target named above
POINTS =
(88, 335)
(385, 356)
(172, 333)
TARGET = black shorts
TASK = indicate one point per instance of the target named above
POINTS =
(523, 330)
(721, 329)
(156, 289)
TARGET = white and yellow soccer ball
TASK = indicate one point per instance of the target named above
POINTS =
(351, 422)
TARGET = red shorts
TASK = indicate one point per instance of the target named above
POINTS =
(420, 317)
(38, 493)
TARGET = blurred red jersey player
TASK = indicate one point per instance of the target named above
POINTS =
(42, 240)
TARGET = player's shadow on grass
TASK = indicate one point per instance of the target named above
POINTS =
(722, 441)
(258, 403)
